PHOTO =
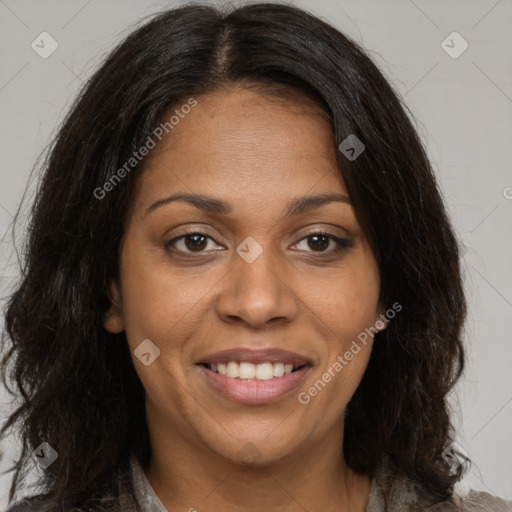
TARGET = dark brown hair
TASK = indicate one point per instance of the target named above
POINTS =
(78, 388)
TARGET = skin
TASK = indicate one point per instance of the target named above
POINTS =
(255, 152)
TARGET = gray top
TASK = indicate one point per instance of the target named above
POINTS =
(402, 496)
(144, 495)
(387, 494)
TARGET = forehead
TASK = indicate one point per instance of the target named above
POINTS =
(238, 140)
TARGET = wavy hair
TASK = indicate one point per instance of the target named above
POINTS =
(76, 382)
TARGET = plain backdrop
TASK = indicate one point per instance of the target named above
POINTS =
(462, 105)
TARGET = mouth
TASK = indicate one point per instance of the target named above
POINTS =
(254, 377)
(245, 370)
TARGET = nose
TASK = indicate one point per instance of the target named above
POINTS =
(257, 293)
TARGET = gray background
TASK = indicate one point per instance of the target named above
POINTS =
(463, 108)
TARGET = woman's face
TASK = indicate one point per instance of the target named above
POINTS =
(254, 274)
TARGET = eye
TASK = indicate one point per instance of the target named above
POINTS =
(193, 242)
(319, 242)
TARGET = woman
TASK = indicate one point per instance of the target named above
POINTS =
(242, 290)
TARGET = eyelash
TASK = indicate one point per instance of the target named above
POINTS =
(341, 243)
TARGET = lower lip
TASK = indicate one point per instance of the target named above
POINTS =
(255, 391)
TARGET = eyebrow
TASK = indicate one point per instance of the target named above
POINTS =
(210, 204)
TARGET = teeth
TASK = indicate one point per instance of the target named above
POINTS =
(247, 371)
(244, 370)
(232, 369)
(278, 369)
(265, 371)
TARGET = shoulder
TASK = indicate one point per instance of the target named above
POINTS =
(393, 493)
(476, 501)
(41, 503)
(120, 498)
(30, 504)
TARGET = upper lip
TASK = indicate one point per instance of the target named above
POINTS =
(268, 355)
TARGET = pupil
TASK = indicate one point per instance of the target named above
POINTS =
(321, 246)
(198, 242)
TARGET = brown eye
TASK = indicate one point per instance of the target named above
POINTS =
(319, 242)
(189, 243)
(195, 242)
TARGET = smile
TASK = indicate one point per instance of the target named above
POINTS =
(253, 377)
(254, 390)
(249, 371)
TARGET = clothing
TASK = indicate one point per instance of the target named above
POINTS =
(137, 495)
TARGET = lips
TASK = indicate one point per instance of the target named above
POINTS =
(255, 357)
(254, 376)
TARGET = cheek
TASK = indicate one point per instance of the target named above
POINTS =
(347, 302)
(159, 302)
(346, 306)
(340, 380)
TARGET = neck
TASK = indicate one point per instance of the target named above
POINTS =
(187, 477)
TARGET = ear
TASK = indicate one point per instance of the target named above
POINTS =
(381, 321)
(113, 320)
